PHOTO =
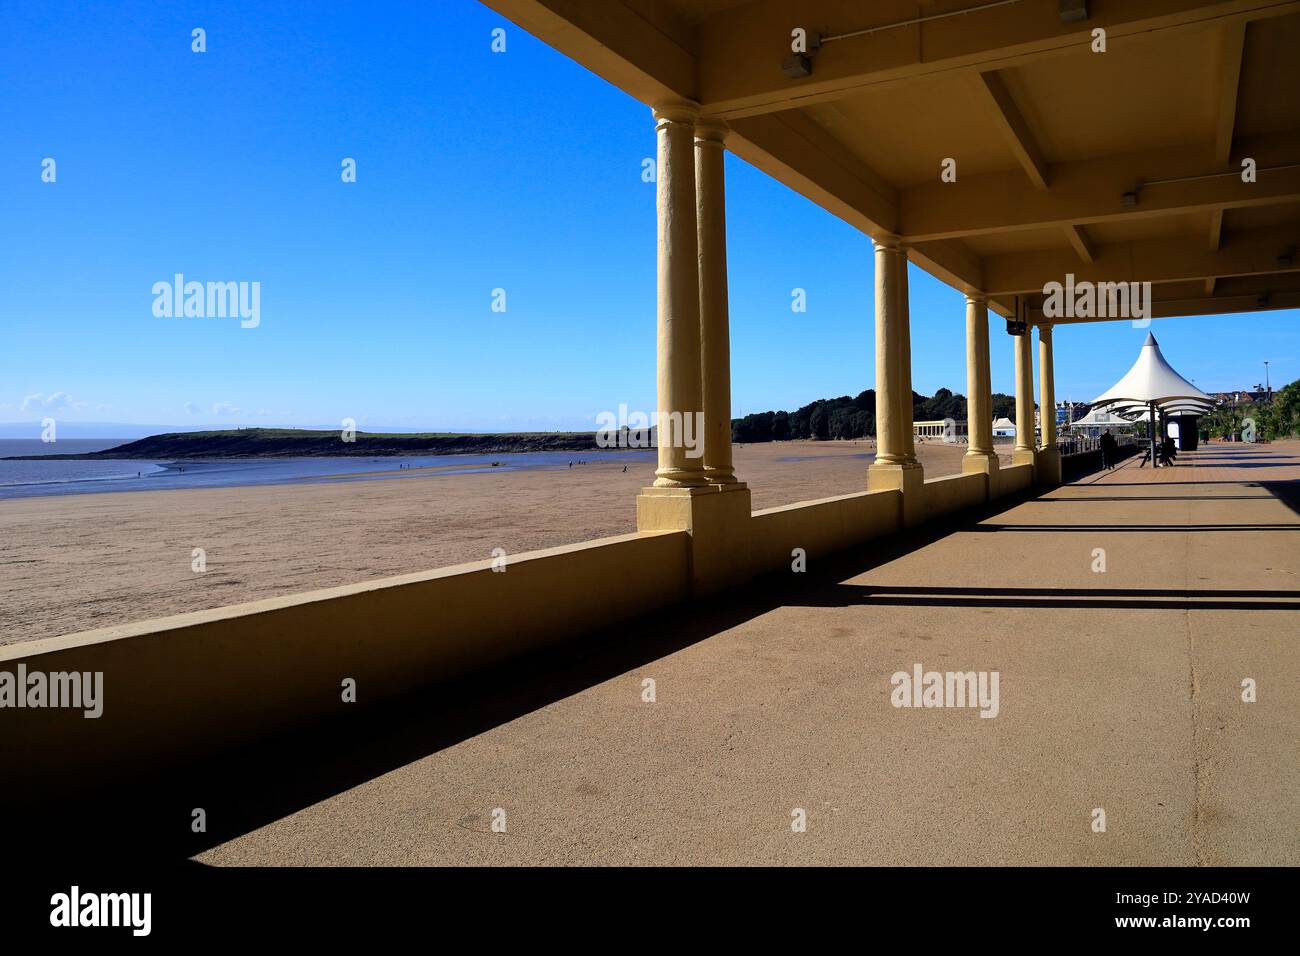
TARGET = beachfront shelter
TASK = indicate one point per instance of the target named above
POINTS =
(1152, 386)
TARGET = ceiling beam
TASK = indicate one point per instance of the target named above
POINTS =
(1152, 260)
(1216, 229)
(1216, 237)
(741, 48)
(1222, 305)
(950, 261)
(650, 61)
(1253, 294)
(1090, 191)
(1014, 128)
(1079, 240)
(1232, 46)
(796, 151)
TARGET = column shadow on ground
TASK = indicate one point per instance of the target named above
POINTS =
(1192, 599)
(138, 815)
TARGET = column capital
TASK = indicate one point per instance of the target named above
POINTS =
(888, 243)
(710, 129)
(977, 298)
(683, 112)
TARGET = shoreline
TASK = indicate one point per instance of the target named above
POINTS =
(134, 550)
(250, 443)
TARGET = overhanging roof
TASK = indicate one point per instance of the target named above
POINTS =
(1046, 134)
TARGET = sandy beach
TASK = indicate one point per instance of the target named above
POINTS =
(77, 562)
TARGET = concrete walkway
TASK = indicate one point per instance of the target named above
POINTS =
(1118, 689)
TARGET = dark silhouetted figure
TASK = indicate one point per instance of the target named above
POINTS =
(1109, 449)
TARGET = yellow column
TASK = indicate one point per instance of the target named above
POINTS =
(715, 338)
(890, 448)
(980, 456)
(1024, 453)
(1049, 456)
(895, 466)
(695, 490)
(681, 400)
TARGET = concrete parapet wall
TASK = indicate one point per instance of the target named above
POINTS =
(185, 684)
(190, 684)
(954, 493)
(1013, 478)
(822, 527)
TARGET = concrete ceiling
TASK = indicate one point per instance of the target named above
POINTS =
(1047, 134)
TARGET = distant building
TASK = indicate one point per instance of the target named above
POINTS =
(1098, 421)
(1004, 428)
(946, 429)
(1069, 412)
(1244, 396)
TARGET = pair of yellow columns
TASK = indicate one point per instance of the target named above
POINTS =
(1047, 467)
(1046, 458)
(895, 466)
(694, 348)
(695, 486)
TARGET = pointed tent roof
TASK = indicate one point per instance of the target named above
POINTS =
(1152, 379)
(1097, 416)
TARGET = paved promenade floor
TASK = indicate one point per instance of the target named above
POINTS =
(1118, 689)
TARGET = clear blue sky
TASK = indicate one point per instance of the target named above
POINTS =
(475, 171)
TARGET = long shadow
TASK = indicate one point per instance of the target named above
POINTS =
(149, 814)
(849, 595)
(1287, 492)
(1244, 463)
(1082, 499)
(1132, 528)
(1153, 484)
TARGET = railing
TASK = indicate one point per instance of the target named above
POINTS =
(1079, 445)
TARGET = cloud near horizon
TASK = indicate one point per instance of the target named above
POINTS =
(53, 402)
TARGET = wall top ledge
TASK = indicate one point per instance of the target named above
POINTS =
(161, 626)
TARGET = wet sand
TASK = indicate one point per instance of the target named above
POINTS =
(76, 562)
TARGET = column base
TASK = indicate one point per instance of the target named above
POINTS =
(717, 519)
(725, 479)
(1048, 469)
(907, 477)
(986, 464)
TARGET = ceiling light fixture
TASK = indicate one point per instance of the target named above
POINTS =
(1073, 11)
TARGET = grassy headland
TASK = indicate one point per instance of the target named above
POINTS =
(304, 443)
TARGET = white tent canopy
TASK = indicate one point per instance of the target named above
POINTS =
(1099, 417)
(1152, 379)
(1149, 385)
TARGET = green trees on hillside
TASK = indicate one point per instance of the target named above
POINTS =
(1279, 418)
(845, 417)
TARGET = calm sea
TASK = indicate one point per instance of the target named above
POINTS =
(24, 479)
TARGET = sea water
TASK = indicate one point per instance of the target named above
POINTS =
(24, 479)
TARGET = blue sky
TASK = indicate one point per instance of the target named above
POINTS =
(475, 171)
